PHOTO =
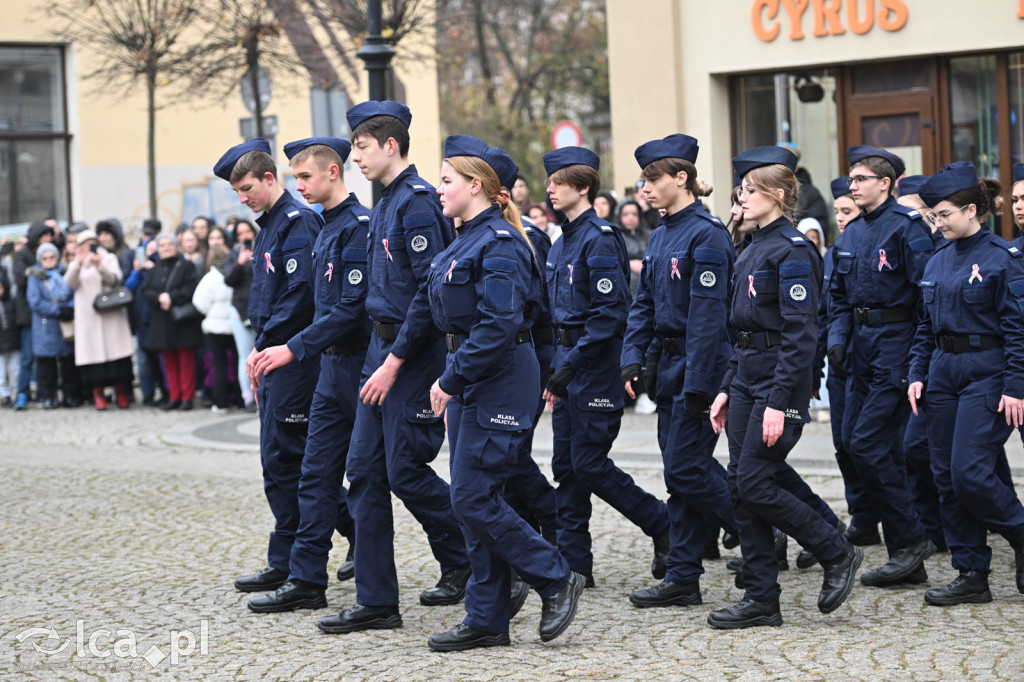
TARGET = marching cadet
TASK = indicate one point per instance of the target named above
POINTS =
(683, 301)
(967, 363)
(588, 284)
(766, 393)
(485, 291)
(396, 434)
(339, 335)
(878, 262)
(280, 306)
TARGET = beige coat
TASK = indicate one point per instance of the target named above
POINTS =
(99, 337)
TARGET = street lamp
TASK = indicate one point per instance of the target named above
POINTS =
(376, 54)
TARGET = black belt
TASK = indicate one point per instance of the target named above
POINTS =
(758, 340)
(955, 343)
(453, 341)
(568, 336)
(875, 317)
(348, 346)
(673, 345)
(543, 336)
(386, 331)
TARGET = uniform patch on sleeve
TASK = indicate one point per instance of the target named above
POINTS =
(419, 243)
(605, 285)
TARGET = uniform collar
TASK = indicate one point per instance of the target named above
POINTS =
(770, 228)
(967, 243)
(409, 171)
(330, 214)
(881, 209)
(481, 218)
(587, 216)
(680, 215)
(282, 205)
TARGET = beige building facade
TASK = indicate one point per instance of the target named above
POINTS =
(934, 80)
(72, 149)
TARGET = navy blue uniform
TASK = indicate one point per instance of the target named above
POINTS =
(281, 306)
(393, 443)
(485, 290)
(527, 490)
(683, 300)
(339, 335)
(919, 469)
(879, 259)
(588, 283)
(862, 515)
(774, 303)
(969, 351)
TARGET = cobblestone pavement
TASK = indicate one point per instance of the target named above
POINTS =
(133, 524)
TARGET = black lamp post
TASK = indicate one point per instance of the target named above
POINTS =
(376, 54)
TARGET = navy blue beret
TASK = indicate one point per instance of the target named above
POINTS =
(910, 184)
(948, 181)
(747, 161)
(859, 152)
(223, 168)
(338, 144)
(1018, 172)
(467, 145)
(367, 110)
(840, 186)
(676, 146)
(570, 156)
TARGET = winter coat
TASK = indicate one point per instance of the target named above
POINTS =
(10, 334)
(47, 294)
(22, 260)
(239, 278)
(176, 276)
(99, 337)
(213, 299)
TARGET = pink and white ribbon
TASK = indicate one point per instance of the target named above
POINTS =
(975, 274)
(750, 286)
(675, 269)
(386, 251)
(270, 266)
(569, 265)
(450, 270)
(882, 260)
(330, 272)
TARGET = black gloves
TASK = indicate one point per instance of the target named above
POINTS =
(634, 375)
(697, 403)
(558, 384)
(651, 375)
(837, 361)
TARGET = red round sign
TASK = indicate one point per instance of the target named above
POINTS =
(566, 134)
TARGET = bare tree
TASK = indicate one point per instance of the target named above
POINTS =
(509, 71)
(133, 40)
(401, 19)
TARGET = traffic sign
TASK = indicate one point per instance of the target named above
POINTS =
(566, 134)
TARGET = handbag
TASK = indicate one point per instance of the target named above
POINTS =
(67, 329)
(183, 312)
(115, 298)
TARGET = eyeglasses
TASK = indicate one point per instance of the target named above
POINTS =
(858, 179)
(942, 217)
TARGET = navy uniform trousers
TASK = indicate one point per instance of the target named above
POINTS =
(497, 537)
(323, 500)
(857, 502)
(584, 429)
(391, 450)
(284, 402)
(759, 501)
(874, 435)
(967, 435)
(922, 481)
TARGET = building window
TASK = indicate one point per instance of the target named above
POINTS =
(1015, 77)
(973, 112)
(34, 182)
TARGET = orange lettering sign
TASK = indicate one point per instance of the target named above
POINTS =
(826, 12)
(1020, 12)
(772, 7)
(853, 20)
(895, 8)
(795, 9)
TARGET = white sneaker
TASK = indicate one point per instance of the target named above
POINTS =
(216, 409)
(645, 405)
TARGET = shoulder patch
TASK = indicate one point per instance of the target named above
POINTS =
(363, 218)
(911, 213)
(498, 264)
(293, 214)
(606, 228)
(794, 268)
(710, 218)
(1014, 251)
(705, 254)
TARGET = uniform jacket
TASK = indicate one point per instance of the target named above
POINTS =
(339, 281)
(407, 229)
(684, 294)
(281, 298)
(974, 286)
(776, 289)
